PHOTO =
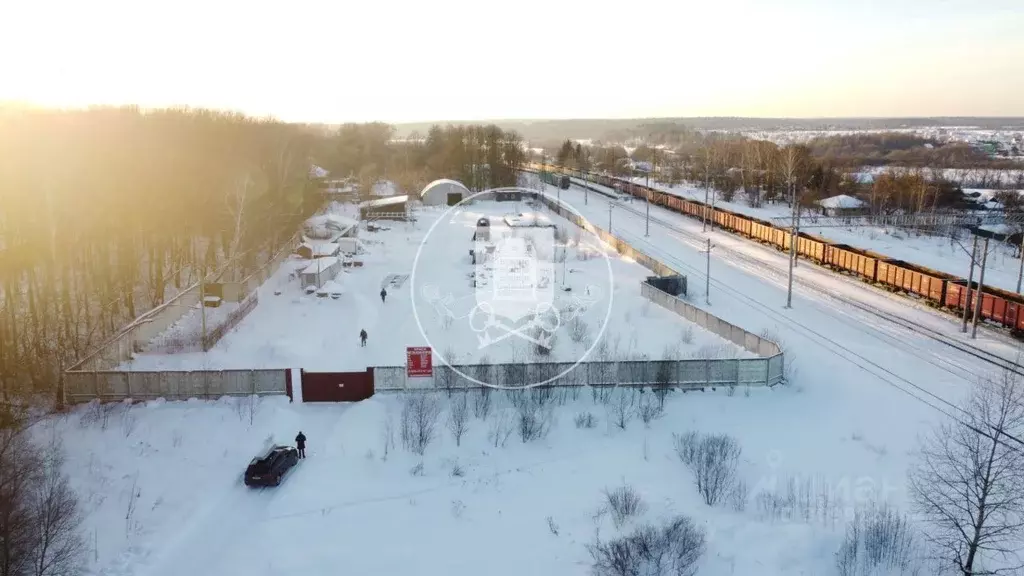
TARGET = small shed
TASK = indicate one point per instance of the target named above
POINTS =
(444, 192)
(841, 205)
(318, 250)
(330, 226)
(384, 188)
(390, 208)
(320, 271)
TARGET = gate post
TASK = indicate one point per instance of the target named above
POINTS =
(288, 384)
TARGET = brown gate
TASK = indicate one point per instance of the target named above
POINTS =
(337, 386)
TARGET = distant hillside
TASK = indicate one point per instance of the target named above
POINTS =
(539, 131)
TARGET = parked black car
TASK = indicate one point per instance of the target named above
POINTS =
(268, 469)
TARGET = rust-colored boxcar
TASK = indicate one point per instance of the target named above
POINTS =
(928, 284)
(811, 247)
(846, 258)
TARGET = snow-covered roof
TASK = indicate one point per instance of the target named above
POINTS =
(385, 201)
(999, 228)
(384, 188)
(335, 222)
(442, 182)
(527, 220)
(322, 249)
(841, 201)
(320, 265)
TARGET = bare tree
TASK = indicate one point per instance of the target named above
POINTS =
(419, 421)
(969, 478)
(58, 548)
(458, 417)
(669, 550)
(39, 514)
(713, 459)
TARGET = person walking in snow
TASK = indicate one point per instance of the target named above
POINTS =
(300, 444)
(362, 337)
(383, 294)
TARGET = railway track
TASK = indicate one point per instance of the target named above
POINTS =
(758, 267)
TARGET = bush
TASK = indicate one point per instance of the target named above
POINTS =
(482, 402)
(533, 422)
(585, 420)
(671, 550)
(578, 330)
(651, 407)
(419, 421)
(878, 539)
(458, 417)
(713, 459)
(499, 429)
(624, 503)
(622, 407)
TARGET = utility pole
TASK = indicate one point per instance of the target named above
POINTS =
(647, 229)
(981, 292)
(202, 306)
(707, 277)
(1020, 274)
(970, 280)
(610, 217)
(707, 179)
(796, 205)
(792, 251)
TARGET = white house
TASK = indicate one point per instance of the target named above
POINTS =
(840, 205)
(444, 192)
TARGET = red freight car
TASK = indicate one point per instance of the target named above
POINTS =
(928, 284)
(851, 260)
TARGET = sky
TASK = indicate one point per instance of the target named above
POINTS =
(339, 61)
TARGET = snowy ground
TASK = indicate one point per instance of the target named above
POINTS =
(862, 389)
(350, 509)
(952, 256)
(295, 330)
(186, 333)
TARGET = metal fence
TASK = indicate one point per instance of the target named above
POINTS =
(684, 374)
(767, 370)
(110, 386)
(749, 341)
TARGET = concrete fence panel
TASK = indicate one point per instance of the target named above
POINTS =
(110, 386)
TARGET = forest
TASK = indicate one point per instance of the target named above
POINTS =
(110, 212)
(762, 171)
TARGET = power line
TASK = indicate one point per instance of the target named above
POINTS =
(837, 346)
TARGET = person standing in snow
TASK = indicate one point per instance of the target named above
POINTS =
(300, 444)
(362, 337)
(383, 294)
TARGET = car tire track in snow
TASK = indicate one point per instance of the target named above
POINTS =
(222, 516)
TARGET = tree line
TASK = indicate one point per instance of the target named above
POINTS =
(111, 212)
(762, 171)
(479, 156)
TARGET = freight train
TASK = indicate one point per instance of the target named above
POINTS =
(937, 289)
(554, 178)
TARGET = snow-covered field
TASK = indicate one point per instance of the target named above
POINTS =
(164, 497)
(949, 255)
(861, 390)
(431, 299)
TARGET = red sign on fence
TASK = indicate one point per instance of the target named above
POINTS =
(419, 361)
